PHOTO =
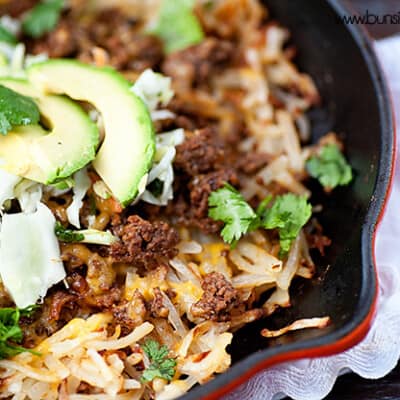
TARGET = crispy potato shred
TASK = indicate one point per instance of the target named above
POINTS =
(192, 297)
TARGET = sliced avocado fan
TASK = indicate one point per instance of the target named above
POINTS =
(126, 153)
(48, 156)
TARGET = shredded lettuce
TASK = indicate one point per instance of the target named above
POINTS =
(82, 184)
(14, 60)
(29, 194)
(30, 261)
(154, 89)
(162, 171)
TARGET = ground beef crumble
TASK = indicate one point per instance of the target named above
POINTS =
(144, 243)
(195, 65)
(218, 299)
(202, 151)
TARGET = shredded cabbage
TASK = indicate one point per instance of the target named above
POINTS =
(13, 25)
(153, 88)
(30, 261)
(17, 60)
(162, 167)
(82, 184)
(29, 194)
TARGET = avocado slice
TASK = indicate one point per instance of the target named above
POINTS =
(49, 156)
(126, 153)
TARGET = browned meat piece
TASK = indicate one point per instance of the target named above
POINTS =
(78, 284)
(318, 241)
(194, 66)
(103, 301)
(201, 152)
(132, 313)
(200, 189)
(218, 299)
(108, 37)
(144, 243)
(157, 308)
(61, 42)
(252, 162)
(15, 8)
(113, 31)
(58, 301)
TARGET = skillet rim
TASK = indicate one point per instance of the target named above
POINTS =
(357, 328)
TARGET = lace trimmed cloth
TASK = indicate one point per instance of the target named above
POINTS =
(378, 353)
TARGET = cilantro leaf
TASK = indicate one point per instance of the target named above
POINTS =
(156, 187)
(15, 110)
(177, 25)
(228, 205)
(10, 331)
(161, 366)
(288, 214)
(67, 235)
(330, 167)
(42, 18)
(7, 36)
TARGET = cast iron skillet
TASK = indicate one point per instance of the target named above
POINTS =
(355, 105)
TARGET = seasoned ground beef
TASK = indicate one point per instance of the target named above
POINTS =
(200, 188)
(201, 152)
(15, 8)
(144, 243)
(251, 163)
(61, 42)
(193, 66)
(107, 37)
(218, 299)
(58, 301)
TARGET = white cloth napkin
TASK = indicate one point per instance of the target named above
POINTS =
(379, 352)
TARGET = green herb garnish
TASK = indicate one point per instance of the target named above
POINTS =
(156, 187)
(67, 235)
(16, 110)
(42, 18)
(330, 167)
(7, 36)
(228, 205)
(289, 213)
(10, 332)
(177, 25)
(161, 366)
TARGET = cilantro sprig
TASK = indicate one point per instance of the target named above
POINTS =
(161, 366)
(10, 332)
(42, 18)
(288, 213)
(67, 235)
(228, 205)
(16, 110)
(330, 167)
(177, 25)
(7, 36)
